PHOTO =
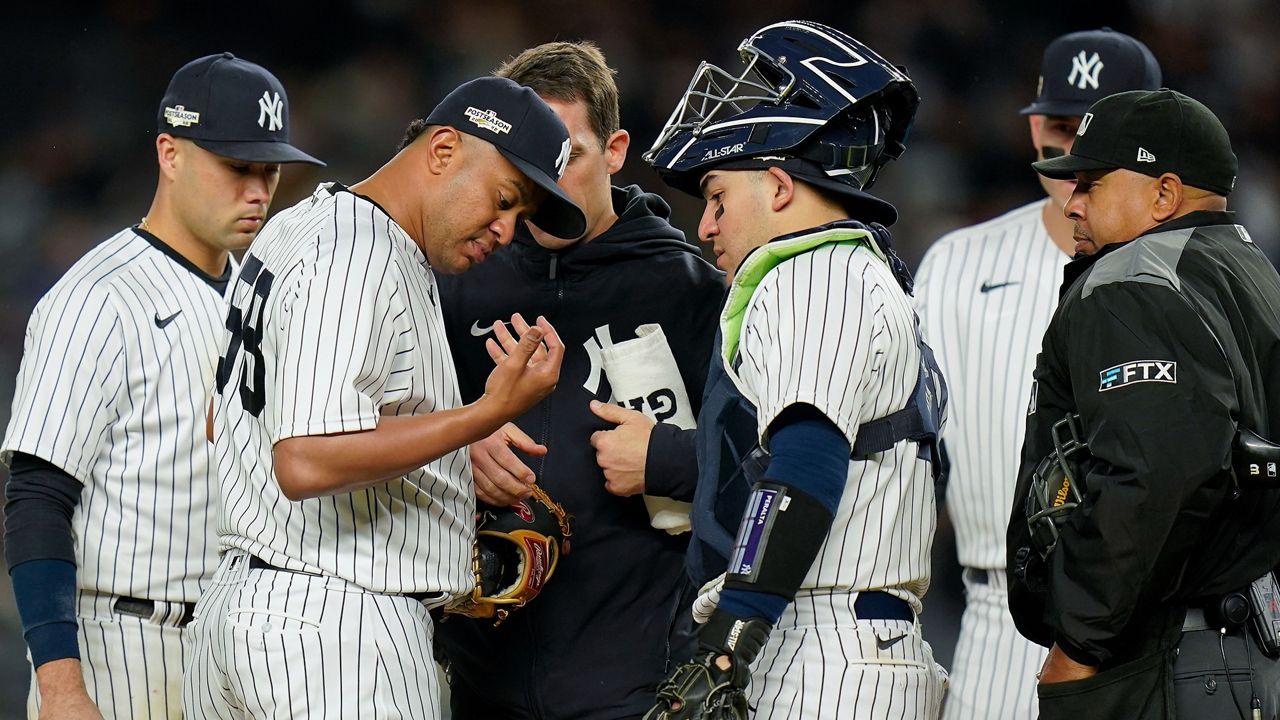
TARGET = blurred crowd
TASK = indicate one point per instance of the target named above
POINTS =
(81, 88)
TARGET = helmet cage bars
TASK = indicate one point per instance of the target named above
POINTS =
(1057, 486)
(714, 89)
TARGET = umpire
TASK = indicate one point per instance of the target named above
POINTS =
(1144, 545)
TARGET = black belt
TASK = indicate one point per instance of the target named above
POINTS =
(876, 605)
(257, 563)
(978, 576)
(146, 609)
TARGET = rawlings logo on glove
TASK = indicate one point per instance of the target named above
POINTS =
(516, 552)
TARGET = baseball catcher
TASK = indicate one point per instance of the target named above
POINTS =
(515, 554)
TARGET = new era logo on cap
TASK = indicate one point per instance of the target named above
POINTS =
(1145, 156)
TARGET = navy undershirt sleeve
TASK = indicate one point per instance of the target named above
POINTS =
(807, 452)
(40, 499)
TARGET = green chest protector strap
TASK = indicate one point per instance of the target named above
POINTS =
(920, 420)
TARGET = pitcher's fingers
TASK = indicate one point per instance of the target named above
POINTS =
(529, 343)
(550, 338)
(518, 322)
(504, 336)
(495, 352)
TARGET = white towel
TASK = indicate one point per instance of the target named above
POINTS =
(644, 376)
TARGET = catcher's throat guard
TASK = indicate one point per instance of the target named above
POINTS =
(1057, 486)
(516, 552)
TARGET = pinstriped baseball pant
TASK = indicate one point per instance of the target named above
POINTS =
(821, 661)
(132, 666)
(274, 644)
(994, 673)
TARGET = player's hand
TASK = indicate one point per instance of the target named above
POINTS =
(501, 477)
(1058, 667)
(527, 369)
(62, 692)
(622, 451)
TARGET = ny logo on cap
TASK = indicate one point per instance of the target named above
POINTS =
(1086, 69)
(270, 108)
(562, 161)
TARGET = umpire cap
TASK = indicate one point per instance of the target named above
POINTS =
(230, 107)
(1151, 132)
(1080, 68)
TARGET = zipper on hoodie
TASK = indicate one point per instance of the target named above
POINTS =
(534, 695)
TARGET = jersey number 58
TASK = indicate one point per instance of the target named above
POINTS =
(246, 331)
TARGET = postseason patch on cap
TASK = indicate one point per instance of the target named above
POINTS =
(179, 116)
(488, 120)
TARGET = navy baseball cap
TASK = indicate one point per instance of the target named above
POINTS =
(527, 132)
(230, 107)
(1080, 68)
(1151, 132)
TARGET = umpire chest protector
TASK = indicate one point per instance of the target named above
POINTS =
(730, 458)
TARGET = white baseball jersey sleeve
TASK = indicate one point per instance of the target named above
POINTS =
(832, 329)
(334, 322)
(985, 295)
(116, 375)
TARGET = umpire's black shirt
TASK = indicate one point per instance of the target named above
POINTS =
(1158, 529)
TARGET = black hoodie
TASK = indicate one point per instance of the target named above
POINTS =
(600, 637)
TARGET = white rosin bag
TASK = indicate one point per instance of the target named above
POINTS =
(645, 368)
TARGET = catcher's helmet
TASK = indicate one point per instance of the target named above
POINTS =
(809, 99)
(1057, 487)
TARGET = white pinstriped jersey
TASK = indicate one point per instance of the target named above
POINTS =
(985, 295)
(832, 328)
(116, 375)
(338, 324)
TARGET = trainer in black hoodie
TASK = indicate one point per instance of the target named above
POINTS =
(606, 629)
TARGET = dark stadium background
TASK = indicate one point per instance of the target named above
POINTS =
(81, 81)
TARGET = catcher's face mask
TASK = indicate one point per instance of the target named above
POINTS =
(516, 552)
(803, 90)
(1057, 485)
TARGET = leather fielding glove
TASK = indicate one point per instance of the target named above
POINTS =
(713, 684)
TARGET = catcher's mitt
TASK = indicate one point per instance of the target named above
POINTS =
(701, 690)
(713, 685)
(515, 554)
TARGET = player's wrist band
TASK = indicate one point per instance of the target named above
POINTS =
(45, 591)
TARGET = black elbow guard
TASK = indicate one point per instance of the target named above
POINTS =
(779, 537)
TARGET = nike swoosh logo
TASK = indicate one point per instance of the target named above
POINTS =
(886, 644)
(988, 287)
(478, 330)
(161, 323)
